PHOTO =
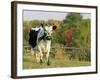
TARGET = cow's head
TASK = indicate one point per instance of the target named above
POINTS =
(48, 31)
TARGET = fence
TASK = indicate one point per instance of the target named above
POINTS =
(73, 52)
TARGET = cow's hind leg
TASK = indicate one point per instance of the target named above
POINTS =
(37, 57)
(41, 56)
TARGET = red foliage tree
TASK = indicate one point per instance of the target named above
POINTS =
(68, 36)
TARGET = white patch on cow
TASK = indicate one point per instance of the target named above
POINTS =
(49, 30)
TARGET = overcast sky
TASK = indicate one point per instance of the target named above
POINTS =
(44, 15)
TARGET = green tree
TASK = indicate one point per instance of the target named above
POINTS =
(73, 19)
(79, 27)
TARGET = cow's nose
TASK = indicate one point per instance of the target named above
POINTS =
(48, 37)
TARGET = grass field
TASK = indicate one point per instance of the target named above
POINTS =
(59, 60)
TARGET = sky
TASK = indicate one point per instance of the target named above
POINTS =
(44, 15)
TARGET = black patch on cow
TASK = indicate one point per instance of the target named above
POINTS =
(43, 37)
(33, 37)
(54, 27)
(48, 38)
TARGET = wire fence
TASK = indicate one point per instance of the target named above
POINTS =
(72, 52)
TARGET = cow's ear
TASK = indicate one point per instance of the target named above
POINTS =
(54, 27)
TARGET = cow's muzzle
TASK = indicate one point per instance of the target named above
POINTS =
(48, 38)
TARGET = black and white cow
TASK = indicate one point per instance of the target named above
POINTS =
(40, 38)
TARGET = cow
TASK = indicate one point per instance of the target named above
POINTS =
(40, 38)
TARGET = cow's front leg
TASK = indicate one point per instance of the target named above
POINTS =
(48, 52)
(48, 62)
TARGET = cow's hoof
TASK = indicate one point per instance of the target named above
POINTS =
(41, 61)
(48, 63)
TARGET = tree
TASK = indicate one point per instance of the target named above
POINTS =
(73, 19)
(79, 29)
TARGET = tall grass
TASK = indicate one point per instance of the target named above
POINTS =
(58, 58)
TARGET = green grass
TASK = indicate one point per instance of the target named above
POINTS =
(29, 62)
